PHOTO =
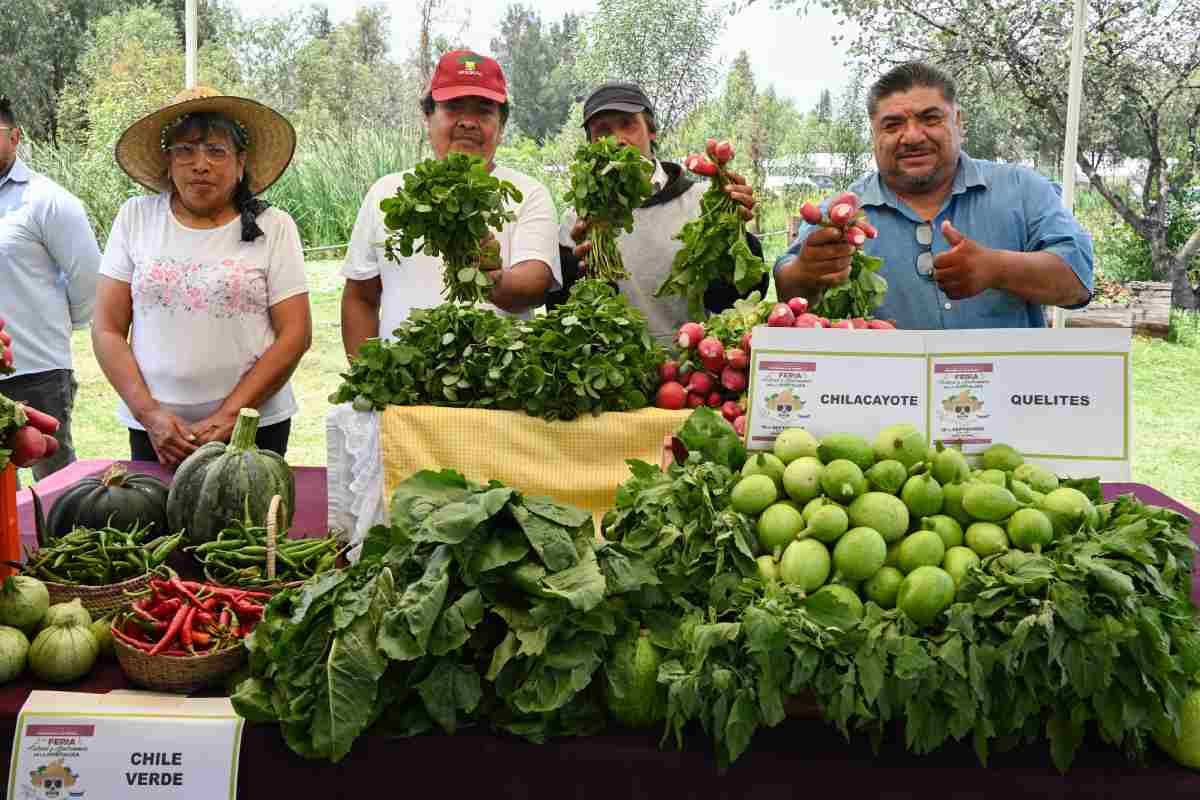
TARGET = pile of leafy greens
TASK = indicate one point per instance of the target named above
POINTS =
(12, 417)
(1098, 628)
(477, 606)
(714, 250)
(591, 354)
(445, 207)
(859, 295)
(608, 181)
(732, 324)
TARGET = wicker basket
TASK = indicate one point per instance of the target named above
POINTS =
(177, 673)
(98, 600)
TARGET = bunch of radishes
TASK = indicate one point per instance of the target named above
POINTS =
(795, 314)
(707, 373)
(845, 214)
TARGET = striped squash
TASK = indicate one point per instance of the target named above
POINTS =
(222, 483)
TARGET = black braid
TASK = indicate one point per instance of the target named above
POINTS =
(249, 206)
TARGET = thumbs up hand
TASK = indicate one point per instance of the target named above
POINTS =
(967, 268)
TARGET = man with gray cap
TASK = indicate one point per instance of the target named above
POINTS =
(624, 112)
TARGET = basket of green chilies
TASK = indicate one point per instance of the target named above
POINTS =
(256, 557)
(100, 567)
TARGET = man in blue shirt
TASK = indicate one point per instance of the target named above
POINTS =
(49, 260)
(965, 243)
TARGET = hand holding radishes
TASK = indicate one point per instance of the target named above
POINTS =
(714, 245)
(966, 269)
(26, 434)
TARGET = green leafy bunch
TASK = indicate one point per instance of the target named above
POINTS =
(478, 606)
(714, 251)
(450, 355)
(445, 208)
(593, 353)
(590, 354)
(12, 417)
(608, 181)
(859, 295)
(743, 316)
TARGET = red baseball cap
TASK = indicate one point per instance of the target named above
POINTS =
(464, 73)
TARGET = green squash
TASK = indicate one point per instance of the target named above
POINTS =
(223, 483)
(119, 499)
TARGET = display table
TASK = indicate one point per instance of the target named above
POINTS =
(310, 518)
(799, 756)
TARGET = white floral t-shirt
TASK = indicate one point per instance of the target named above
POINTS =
(201, 303)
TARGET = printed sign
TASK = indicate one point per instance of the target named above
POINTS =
(1058, 396)
(73, 745)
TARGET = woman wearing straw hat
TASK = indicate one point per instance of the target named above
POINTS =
(202, 307)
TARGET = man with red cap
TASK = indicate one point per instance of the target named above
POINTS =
(465, 109)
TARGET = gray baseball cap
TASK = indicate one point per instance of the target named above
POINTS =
(616, 96)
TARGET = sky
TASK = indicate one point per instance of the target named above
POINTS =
(793, 53)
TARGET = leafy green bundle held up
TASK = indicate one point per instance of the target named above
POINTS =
(591, 354)
(478, 606)
(445, 208)
(608, 181)
(714, 251)
(12, 417)
(861, 293)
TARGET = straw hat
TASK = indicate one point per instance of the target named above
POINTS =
(271, 138)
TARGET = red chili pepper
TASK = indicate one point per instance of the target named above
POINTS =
(132, 642)
(210, 603)
(185, 633)
(184, 591)
(224, 621)
(172, 630)
(203, 618)
(165, 609)
(201, 638)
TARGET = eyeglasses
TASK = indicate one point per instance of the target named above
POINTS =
(186, 152)
(925, 257)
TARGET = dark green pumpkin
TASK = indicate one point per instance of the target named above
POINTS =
(223, 483)
(118, 498)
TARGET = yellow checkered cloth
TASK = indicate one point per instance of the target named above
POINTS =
(581, 462)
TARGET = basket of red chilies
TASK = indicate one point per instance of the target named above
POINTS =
(184, 635)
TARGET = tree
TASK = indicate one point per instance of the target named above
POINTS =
(824, 109)
(1141, 82)
(318, 24)
(539, 65)
(665, 47)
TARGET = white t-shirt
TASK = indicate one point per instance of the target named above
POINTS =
(201, 301)
(416, 281)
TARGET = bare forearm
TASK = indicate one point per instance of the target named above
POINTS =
(1039, 277)
(120, 367)
(360, 321)
(522, 287)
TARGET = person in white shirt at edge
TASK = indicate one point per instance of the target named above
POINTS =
(465, 109)
(202, 308)
(48, 263)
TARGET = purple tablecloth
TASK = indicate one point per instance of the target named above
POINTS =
(310, 519)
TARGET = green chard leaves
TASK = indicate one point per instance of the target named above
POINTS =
(445, 208)
(608, 181)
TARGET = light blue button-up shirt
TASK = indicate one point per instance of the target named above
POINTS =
(1001, 206)
(49, 261)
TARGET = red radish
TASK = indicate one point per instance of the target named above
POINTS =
(668, 371)
(715, 400)
(739, 425)
(844, 323)
(671, 395)
(734, 380)
(701, 166)
(860, 324)
(810, 214)
(870, 230)
(710, 147)
(695, 400)
(746, 338)
(824, 322)
(701, 383)
(51, 446)
(880, 325)
(840, 214)
(730, 410)
(712, 354)
(807, 321)
(781, 316)
(798, 305)
(690, 334)
(855, 236)
(737, 358)
(28, 445)
(724, 153)
(850, 198)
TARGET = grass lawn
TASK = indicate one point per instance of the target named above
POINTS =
(1166, 393)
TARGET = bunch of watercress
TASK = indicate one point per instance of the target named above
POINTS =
(608, 181)
(445, 208)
